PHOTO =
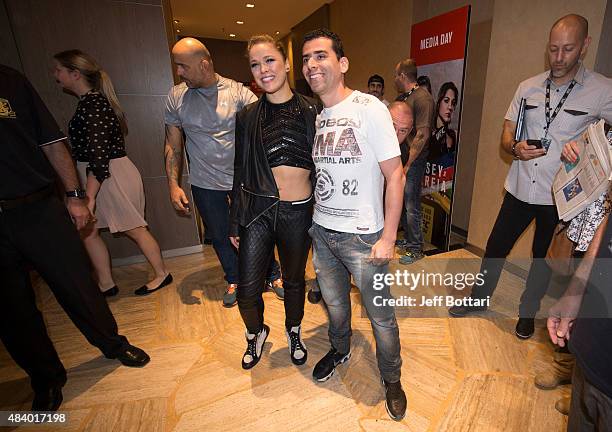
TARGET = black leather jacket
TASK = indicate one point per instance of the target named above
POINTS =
(254, 190)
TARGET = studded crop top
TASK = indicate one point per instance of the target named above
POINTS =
(283, 129)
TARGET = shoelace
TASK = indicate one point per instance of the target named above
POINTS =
(251, 348)
(296, 344)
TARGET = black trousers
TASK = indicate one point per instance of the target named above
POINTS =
(513, 218)
(42, 234)
(257, 242)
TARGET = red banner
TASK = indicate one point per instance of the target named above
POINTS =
(441, 38)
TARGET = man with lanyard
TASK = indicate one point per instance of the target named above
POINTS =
(204, 108)
(579, 97)
(36, 231)
(422, 106)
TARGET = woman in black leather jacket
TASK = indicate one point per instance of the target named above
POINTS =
(272, 196)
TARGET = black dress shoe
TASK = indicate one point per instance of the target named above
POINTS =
(460, 311)
(48, 399)
(144, 290)
(525, 328)
(111, 292)
(133, 357)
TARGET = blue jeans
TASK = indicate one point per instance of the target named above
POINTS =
(336, 256)
(214, 208)
(413, 232)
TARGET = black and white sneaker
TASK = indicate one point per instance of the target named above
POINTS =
(327, 365)
(297, 348)
(395, 400)
(255, 343)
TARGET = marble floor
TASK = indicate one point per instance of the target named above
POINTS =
(469, 374)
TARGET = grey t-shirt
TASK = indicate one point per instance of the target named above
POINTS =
(208, 118)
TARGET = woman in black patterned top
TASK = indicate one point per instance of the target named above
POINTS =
(272, 196)
(113, 184)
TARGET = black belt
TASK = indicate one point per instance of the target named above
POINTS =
(30, 198)
(332, 231)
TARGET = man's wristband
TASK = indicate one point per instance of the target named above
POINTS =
(76, 193)
(514, 150)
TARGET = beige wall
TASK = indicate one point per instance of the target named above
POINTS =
(603, 62)
(517, 51)
(318, 19)
(376, 35)
(229, 58)
(129, 40)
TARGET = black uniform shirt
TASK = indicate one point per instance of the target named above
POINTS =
(25, 125)
(591, 337)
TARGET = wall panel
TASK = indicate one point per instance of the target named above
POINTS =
(129, 40)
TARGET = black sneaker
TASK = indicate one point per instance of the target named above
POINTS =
(255, 343)
(525, 328)
(297, 348)
(395, 400)
(326, 366)
(461, 311)
(314, 297)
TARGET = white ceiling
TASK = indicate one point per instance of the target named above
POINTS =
(217, 18)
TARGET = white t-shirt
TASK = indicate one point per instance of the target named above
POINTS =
(352, 137)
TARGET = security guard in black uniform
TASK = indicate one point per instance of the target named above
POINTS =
(36, 229)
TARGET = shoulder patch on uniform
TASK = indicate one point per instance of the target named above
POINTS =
(5, 109)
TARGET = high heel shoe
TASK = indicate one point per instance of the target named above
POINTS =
(144, 290)
(111, 292)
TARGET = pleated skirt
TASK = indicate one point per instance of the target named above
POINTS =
(120, 204)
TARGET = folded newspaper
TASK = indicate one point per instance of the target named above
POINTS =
(578, 184)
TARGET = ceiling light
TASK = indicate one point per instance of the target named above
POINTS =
(250, 5)
(277, 32)
(232, 35)
(239, 22)
(176, 21)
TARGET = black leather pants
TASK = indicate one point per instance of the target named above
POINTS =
(290, 235)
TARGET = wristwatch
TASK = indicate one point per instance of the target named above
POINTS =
(514, 150)
(76, 193)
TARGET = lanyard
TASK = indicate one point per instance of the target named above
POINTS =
(549, 117)
(404, 96)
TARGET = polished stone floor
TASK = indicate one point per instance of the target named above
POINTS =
(469, 374)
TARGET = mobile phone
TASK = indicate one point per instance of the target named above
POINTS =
(536, 143)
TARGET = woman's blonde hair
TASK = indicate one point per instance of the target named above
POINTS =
(264, 38)
(97, 78)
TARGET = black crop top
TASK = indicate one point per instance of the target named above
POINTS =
(283, 128)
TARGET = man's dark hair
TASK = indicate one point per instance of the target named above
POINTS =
(376, 79)
(328, 34)
(423, 81)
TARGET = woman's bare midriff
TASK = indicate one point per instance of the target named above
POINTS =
(293, 183)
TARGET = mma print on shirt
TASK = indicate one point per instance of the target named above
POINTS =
(352, 137)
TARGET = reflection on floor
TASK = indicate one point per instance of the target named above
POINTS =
(459, 374)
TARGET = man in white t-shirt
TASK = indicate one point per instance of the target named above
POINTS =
(355, 151)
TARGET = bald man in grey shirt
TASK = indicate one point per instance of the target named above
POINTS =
(204, 108)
